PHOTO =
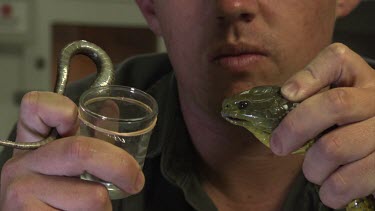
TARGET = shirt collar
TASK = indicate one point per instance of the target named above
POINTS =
(171, 140)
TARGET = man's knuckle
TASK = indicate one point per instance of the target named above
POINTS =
(70, 116)
(310, 173)
(73, 113)
(338, 191)
(30, 101)
(16, 191)
(8, 170)
(329, 147)
(290, 125)
(332, 201)
(73, 110)
(339, 100)
(312, 71)
(338, 186)
(100, 196)
(80, 149)
(339, 50)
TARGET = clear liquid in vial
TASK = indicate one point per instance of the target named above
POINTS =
(134, 145)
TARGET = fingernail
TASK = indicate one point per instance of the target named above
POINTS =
(275, 144)
(290, 89)
(139, 182)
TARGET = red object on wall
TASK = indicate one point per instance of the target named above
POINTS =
(6, 10)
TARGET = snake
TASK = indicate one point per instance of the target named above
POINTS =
(260, 110)
(104, 77)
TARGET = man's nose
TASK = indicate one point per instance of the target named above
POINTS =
(236, 10)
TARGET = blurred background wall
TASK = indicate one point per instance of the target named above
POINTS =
(32, 32)
(358, 29)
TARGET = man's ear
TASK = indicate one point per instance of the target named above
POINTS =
(148, 10)
(344, 7)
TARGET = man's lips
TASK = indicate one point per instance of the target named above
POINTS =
(238, 61)
(237, 57)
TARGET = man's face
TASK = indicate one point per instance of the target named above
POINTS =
(221, 47)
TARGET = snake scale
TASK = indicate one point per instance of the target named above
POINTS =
(260, 110)
(105, 77)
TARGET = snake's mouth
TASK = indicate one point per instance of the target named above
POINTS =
(229, 118)
(232, 119)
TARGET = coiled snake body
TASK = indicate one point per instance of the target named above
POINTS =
(104, 77)
(260, 110)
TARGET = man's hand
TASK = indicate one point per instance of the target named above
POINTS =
(48, 178)
(342, 160)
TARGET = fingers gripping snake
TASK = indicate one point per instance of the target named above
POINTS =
(105, 77)
(260, 110)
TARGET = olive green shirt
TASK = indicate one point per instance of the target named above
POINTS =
(172, 181)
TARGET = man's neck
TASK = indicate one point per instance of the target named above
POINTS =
(235, 168)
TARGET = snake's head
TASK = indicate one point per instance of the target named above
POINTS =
(259, 109)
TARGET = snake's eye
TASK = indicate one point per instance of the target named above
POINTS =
(242, 104)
